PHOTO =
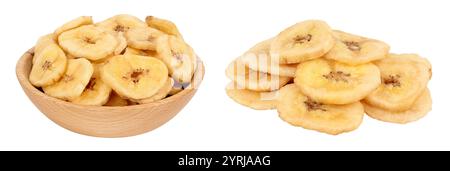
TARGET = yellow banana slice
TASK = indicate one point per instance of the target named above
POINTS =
(96, 92)
(133, 76)
(249, 79)
(77, 22)
(303, 41)
(403, 78)
(253, 99)
(116, 100)
(121, 23)
(49, 66)
(88, 42)
(331, 82)
(161, 94)
(258, 59)
(42, 43)
(354, 50)
(163, 25)
(75, 79)
(300, 110)
(178, 56)
(419, 109)
(143, 38)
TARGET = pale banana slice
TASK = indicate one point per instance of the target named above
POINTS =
(178, 56)
(75, 79)
(163, 25)
(300, 110)
(42, 43)
(96, 93)
(121, 23)
(161, 94)
(253, 80)
(419, 109)
(303, 41)
(49, 66)
(116, 100)
(403, 77)
(253, 99)
(77, 22)
(258, 59)
(88, 42)
(354, 50)
(331, 82)
(143, 38)
(121, 45)
(133, 76)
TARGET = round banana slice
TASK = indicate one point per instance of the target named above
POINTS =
(49, 66)
(121, 45)
(133, 76)
(178, 56)
(303, 41)
(161, 94)
(121, 23)
(163, 25)
(419, 109)
(75, 79)
(249, 79)
(403, 78)
(253, 99)
(42, 43)
(77, 22)
(143, 38)
(258, 59)
(300, 110)
(88, 42)
(116, 100)
(331, 82)
(354, 50)
(96, 93)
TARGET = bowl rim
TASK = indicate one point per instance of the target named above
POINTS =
(197, 78)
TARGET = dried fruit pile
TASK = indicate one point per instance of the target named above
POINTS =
(117, 62)
(337, 77)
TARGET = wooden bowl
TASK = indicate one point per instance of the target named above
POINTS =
(105, 121)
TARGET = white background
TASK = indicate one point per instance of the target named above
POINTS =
(219, 31)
